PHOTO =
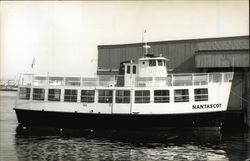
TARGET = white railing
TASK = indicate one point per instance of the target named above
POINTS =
(186, 79)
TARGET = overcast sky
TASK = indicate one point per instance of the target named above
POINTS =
(63, 36)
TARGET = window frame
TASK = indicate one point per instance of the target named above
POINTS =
(39, 95)
(134, 69)
(121, 97)
(52, 96)
(142, 97)
(72, 97)
(107, 96)
(128, 69)
(152, 63)
(89, 96)
(160, 62)
(161, 98)
(181, 97)
(24, 95)
(200, 96)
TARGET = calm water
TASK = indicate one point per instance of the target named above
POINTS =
(45, 144)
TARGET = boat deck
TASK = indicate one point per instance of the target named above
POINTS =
(184, 79)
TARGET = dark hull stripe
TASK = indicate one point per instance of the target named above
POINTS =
(116, 121)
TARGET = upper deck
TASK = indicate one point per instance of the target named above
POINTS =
(184, 79)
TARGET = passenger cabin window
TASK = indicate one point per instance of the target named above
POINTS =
(70, 95)
(181, 95)
(152, 62)
(134, 69)
(38, 94)
(142, 96)
(161, 96)
(88, 96)
(54, 95)
(201, 94)
(24, 93)
(122, 96)
(105, 96)
(128, 69)
(160, 63)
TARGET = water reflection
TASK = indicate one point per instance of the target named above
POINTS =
(54, 144)
(51, 144)
(237, 146)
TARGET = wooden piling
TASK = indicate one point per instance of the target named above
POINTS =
(248, 97)
(246, 106)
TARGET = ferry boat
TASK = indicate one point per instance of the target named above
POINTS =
(143, 95)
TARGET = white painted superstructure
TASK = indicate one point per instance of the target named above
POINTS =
(180, 99)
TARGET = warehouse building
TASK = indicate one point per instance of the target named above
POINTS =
(193, 55)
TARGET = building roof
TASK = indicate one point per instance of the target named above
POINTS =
(239, 42)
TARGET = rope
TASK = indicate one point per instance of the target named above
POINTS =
(240, 96)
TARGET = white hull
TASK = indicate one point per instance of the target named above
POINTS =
(218, 95)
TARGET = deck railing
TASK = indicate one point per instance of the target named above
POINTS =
(186, 79)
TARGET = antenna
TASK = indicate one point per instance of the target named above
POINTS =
(146, 46)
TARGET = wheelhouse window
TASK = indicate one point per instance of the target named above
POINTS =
(160, 63)
(201, 94)
(105, 96)
(134, 69)
(128, 69)
(24, 93)
(152, 62)
(88, 96)
(142, 96)
(38, 94)
(54, 95)
(70, 95)
(122, 96)
(181, 95)
(161, 96)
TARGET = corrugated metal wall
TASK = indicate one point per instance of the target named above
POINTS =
(111, 56)
(181, 52)
(231, 43)
(222, 59)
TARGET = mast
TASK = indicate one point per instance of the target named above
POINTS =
(146, 46)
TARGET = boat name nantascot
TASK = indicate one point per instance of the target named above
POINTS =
(216, 105)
